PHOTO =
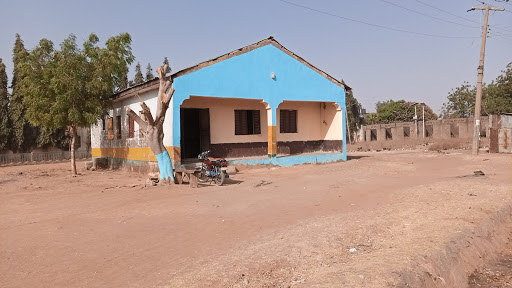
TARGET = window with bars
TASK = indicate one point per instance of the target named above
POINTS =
(288, 121)
(131, 127)
(118, 126)
(247, 122)
(110, 131)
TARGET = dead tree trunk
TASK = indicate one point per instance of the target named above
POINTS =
(152, 128)
(72, 131)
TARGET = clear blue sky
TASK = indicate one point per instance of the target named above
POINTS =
(379, 64)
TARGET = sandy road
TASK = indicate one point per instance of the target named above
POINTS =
(275, 226)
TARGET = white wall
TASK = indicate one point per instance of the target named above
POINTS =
(99, 135)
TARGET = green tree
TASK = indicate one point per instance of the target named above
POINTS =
(123, 83)
(71, 87)
(497, 97)
(149, 73)
(23, 134)
(371, 118)
(398, 111)
(353, 112)
(47, 137)
(166, 62)
(461, 102)
(139, 78)
(5, 129)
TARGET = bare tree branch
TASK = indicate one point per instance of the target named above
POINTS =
(169, 96)
(147, 113)
(164, 97)
(142, 124)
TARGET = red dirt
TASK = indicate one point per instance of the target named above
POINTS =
(496, 274)
(268, 227)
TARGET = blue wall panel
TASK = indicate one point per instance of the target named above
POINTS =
(249, 76)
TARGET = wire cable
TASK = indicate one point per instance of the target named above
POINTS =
(426, 15)
(375, 25)
(447, 12)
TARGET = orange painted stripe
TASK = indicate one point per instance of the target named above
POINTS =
(130, 153)
(272, 140)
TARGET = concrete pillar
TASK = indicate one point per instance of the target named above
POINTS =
(272, 132)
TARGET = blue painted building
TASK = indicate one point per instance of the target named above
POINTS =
(259, 104)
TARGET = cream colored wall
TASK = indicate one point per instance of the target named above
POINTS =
(332, 129)
(222, 118)
(315, 121)
(308, 121)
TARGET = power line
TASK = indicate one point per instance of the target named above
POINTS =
(374, 25)
(426, 15)
(499, 32)
(467, 19)
(504, 2)
(450, 13)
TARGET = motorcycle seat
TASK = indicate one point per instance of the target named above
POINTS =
(214, 159)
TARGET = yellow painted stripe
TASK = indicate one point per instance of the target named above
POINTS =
(272, 140)
(131, 153)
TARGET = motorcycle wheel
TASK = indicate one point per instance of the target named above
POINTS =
(219, 179)
(203, 176)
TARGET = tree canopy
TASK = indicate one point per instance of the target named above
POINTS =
(398, 111)
(496, 97)
(139, 78)
(149, 73)
(5, 129)
(166, 62)
(22, 132)
(353, 112)
(71, 87)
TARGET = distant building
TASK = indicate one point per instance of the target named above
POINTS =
(500, 133)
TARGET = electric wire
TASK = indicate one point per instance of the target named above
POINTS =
(375, 25)
(426, 15)
(504, 2)
(447, 12)
(431, 6)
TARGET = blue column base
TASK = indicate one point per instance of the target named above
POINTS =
(165, 165)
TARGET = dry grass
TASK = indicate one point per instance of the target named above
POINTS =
(438, 146)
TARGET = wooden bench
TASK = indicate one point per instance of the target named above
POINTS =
(192, 175)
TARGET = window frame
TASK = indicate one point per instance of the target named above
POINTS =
(286, 117)
(252, 120)
(118, 127)
(131, 127)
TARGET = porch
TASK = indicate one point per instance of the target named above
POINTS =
(251, 131)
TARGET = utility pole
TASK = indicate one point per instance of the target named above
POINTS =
(423, 105)
(478, 102)
(416, 120)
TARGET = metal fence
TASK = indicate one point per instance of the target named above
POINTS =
(41, 157)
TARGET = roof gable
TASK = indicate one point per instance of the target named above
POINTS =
(249, 48)
(153, 84)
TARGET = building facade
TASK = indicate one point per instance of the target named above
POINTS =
(261, 104)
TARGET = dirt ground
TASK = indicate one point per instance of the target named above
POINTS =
(497, 274)
(360, 223)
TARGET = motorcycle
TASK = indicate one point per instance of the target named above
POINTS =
(212, 169)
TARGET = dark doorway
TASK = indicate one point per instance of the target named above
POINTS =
(195, 132)
(373, 134)
(454, 130)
